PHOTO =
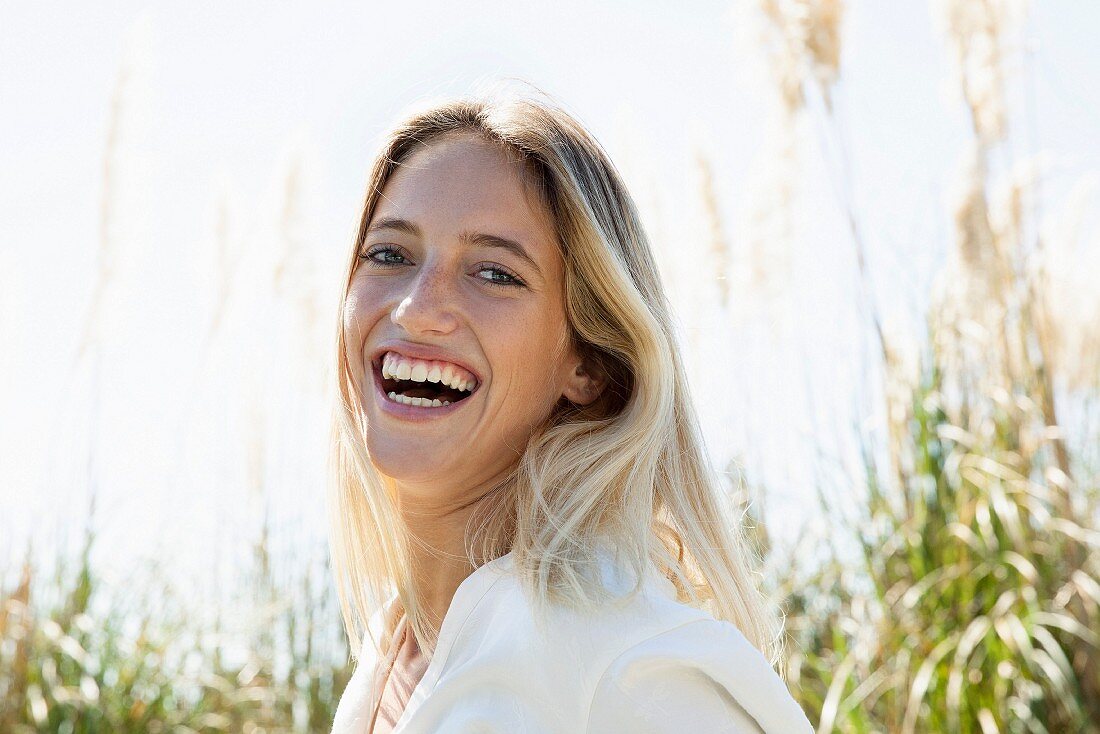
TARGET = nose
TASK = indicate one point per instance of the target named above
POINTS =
(428, 304)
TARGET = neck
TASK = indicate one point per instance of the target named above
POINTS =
(437, 521)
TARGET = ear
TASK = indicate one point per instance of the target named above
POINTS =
(585, 380)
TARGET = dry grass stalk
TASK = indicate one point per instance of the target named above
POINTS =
(1063, 276)
(989, 330)
(718, 245)
(762, 266)
(978, 32)
(106, 254)
(223, 269)
(802, 38)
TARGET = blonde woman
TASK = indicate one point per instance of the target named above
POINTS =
(526, 533)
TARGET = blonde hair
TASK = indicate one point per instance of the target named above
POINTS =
(629, 471)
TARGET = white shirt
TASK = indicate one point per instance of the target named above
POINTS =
(653, 666)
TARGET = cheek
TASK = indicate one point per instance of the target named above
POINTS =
(528, 346)
(364, 300)
(359, 297)
(358, 316)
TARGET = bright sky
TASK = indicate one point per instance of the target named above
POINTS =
(222, 99)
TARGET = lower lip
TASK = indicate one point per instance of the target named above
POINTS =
(413, 412)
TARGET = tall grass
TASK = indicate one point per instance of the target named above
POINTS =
(81, 651)
(960, 594)
(81, 654)
(972, 604)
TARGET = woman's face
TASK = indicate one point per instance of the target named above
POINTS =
(430, 284)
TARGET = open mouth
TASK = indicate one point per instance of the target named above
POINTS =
(423, 392)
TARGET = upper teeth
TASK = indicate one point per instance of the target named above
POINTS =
(395, 366)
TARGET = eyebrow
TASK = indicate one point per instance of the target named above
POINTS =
(471, 239)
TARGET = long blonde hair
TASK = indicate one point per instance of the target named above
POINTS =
(629, 471)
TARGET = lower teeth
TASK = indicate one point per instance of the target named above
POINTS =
(421, 402)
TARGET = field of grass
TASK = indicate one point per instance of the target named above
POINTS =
(78, 654)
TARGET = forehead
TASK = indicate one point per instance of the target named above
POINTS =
(463, 183)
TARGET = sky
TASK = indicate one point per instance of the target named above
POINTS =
(222, 102)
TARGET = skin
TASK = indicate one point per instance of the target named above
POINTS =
(436, 291)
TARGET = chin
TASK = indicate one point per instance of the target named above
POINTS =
(402, 462)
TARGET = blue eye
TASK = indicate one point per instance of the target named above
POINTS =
(369, 257)
(512, 280)
(500, 277)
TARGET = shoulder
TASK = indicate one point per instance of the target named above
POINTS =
(702, 675)
(582, 640)
(549, 657)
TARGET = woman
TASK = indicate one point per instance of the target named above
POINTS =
(524, 523)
